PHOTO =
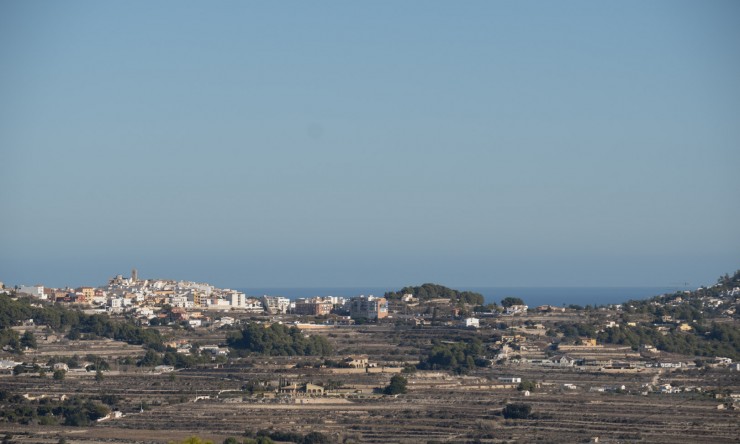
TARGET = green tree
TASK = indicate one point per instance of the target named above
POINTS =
(509, 301)
(433, 291)
(150, 359)
(527, 385)
(59, 375)
(195, 440)
(315, 438)
(10, 339)
(278, 340)
(517, 411)
(397, 386)
(460, 357)
(28, 340)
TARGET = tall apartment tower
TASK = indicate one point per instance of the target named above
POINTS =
(134, 275)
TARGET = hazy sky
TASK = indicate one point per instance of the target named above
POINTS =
(370, 143)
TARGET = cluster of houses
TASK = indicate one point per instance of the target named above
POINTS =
(145, 298)
(588, 355)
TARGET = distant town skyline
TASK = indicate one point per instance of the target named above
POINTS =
(251, 144)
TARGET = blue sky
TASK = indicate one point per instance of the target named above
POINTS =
(370, 143)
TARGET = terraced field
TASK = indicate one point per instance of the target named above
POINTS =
(216, 402)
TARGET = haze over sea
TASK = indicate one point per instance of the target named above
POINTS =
(543, 144)
(532, 296)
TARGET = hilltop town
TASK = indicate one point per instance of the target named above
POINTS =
(145, 299)
(152, 360)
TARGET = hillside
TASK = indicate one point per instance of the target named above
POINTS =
(427, 292)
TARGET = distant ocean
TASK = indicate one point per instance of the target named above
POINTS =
(532, 296)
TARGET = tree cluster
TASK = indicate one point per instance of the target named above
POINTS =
(178, 360)
(278, 340)
(76, 411)
(517, 411)
(718, 339)
(460, 357)
(426, 292)
(270, 436)
(98, 325)
(511, 301)
(527, 385)
(572, 332)
(58, 318)
(397, 386)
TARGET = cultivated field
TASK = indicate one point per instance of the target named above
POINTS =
(219, 401)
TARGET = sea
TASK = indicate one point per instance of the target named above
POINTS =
(532, 296)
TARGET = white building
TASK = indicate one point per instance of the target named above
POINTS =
(215, 303)
(145, 312)
(36, 291)
(471, 323)
(254, 305)
(115, 304)
(515, 309)
(237, 299)
(180, 301)
(275, 304)
(511, 380)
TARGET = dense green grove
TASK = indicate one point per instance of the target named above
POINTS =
(277, 340)
(516, 411)
(714, 340)
(77, 324)
(460, 357)
(397, 386)
(268, 437)
(433, 291)
(10, 340)
(76, 411)
(178, 360)
(705, 338)
(511, 301)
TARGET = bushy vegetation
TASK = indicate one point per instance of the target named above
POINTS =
(510, 301)
(688, 306)
(269, 436)
(278, 340)
(664, 314)
(517, 411)
(77, 324)
(397, 386)
(460, 357)
(426, 292)
(10, 340)
(76, 411)
(194, 440)
(573, 332)
(178, 360)
(714, 340)
(527, 385)
(97, 326)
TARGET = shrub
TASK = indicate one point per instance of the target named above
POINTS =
(397, 386)
(517, 411)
